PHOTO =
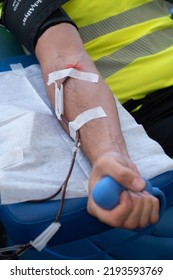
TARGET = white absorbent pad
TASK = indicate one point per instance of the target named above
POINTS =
(35, 152)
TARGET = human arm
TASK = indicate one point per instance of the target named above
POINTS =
(101, 139)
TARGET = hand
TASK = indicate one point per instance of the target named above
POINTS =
(137, 208)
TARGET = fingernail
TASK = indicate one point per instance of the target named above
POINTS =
(138, 184)
(131, 194)
(126, 197)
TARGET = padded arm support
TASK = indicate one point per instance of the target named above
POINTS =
(27, 20)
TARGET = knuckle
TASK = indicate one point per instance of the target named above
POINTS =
(130, 225)
(137, 198)
(116, 224)
(143, 223)
(156, 202)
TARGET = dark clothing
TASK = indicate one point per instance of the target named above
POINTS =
(156, 115)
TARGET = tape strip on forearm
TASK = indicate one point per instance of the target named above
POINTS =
(84, 117)
(27, 20)
(64, 74)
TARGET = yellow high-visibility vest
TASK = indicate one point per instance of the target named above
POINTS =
(130, 41)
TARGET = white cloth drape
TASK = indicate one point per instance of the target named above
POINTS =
(35, 152)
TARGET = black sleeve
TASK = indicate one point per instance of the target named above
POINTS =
(28, 19)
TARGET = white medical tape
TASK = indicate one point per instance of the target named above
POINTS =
(73, 73)
(18, 69)
(61, 74)
(59, 101)
(16, 66)
(11, 158)
(86, 116)
(40, 242)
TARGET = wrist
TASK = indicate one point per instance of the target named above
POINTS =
(101, 144)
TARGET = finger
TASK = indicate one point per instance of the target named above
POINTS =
(134, 218)
(154, 216)
(115, 217)
(146, 212)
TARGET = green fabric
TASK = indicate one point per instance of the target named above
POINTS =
(9, 46)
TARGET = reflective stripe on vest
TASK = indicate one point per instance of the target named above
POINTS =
(0, 9)
(145, 46)
(131, 42)
(148, 11)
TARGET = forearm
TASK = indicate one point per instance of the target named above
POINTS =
(97, 136)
